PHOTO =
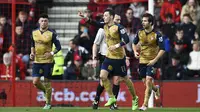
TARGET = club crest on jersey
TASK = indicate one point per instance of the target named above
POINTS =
(110, 67)
(114, 29)
(46, 36)
(123, 31)
(160, 39)
(41, 71)
(152, 38)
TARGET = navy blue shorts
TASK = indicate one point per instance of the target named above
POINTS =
(116, 67)
(44, 69)
(145, 70)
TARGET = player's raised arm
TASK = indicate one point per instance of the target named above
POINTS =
(98, 24)
(56, 43)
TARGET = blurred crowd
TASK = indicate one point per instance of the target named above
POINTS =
(177, 20)
(26, 21)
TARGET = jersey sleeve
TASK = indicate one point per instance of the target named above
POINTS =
(56, 42)
(136, 39)
(99, 24)
(32, 42)
(123, 35)
(160, 41)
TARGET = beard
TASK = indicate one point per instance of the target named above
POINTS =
(43, 28)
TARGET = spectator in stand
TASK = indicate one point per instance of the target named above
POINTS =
(73, 72)
(119, 8)
(198, 27)
(96, 9)
(188, 27)
(191, 8)
(23, 44)
(1, 43)
(196, 37)
(157, 8)
(36, 8)
(86, 32)
(173, 7)
(168, 29)
(4, 43)
(180, 37)
(32, 12)
(6, 26)
(88, 72)
(20, 66)
(180, 51)
(138, 9)
(75, 50)
(175, 71)
(193, 67)
(131, 24)
(31, 15)
(26, 24)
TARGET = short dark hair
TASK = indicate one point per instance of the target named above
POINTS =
(19, 24)
(2, 16)
(111, 12)
(44, 15)
(177, 57)
(188, 15)
(117, 14)
(196, 42)
(75, 41)
(180, 28)
(130, 9)
(150, 18)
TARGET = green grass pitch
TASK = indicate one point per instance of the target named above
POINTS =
(88, 109)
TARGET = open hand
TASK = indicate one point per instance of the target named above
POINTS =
(48, 55)
(80, 13)
(151, 62)
(112, 48)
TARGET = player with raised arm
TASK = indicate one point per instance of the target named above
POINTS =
(102, 51)
(151, 49)
(114, 62)
(43, 39)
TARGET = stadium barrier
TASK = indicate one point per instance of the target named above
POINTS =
(78, 93)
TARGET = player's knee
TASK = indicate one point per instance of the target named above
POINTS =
(35, 83)
(147, 82)
(116, 80)
(103, 76)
